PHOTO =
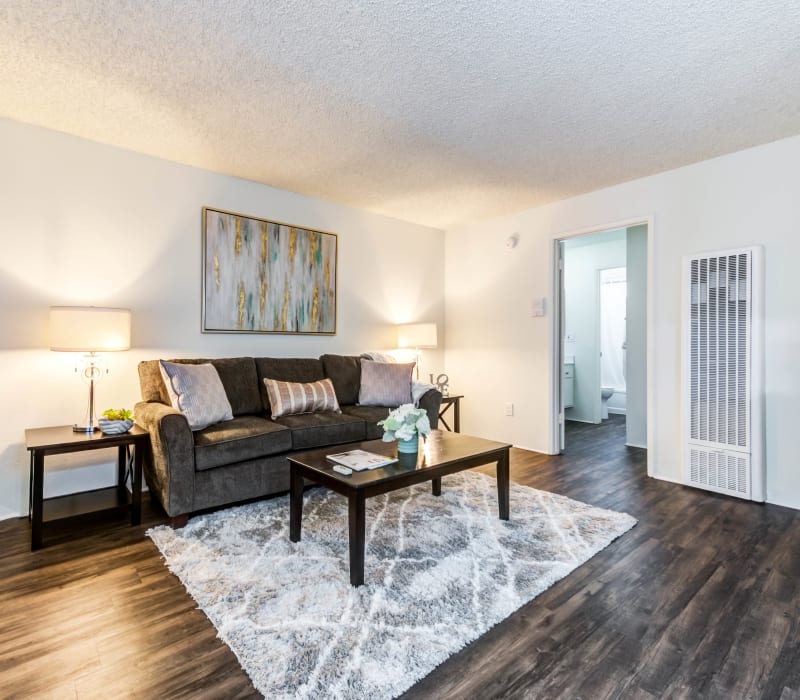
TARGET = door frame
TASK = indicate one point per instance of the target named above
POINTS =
(556, 331)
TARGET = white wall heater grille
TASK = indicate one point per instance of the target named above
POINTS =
(723, 366)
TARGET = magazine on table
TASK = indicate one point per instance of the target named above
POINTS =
(359, 460)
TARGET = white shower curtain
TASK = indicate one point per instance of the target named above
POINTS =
(613, 291)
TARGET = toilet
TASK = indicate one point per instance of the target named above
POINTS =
(606, 393)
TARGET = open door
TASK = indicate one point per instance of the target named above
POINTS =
(559, 315)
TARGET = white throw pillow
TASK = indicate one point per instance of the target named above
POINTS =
(197, 392)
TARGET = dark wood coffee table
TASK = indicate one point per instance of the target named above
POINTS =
(442, 454)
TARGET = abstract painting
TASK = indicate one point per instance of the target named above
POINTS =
(263, 276)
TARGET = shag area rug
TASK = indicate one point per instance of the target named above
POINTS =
(439, 572)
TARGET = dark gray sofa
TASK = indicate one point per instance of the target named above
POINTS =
(246, 457)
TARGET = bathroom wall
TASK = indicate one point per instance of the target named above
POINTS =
(583, 258)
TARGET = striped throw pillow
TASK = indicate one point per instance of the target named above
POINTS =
(290, 398)
(385, 383)
(196, 391)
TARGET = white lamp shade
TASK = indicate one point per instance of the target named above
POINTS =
(416, 335)
(89, 329)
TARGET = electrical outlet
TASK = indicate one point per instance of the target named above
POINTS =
(509, 409)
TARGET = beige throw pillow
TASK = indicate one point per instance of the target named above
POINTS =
(290, 398)
(196, 391)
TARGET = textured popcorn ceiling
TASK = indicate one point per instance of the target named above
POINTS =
(430, 111)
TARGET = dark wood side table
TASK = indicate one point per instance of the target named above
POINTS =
(41, 442)
(455, 402)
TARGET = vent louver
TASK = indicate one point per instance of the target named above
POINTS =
(718, 363)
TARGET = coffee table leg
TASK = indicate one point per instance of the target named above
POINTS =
(357, 535)
(437, 486)
(502, 484)
(295, 503)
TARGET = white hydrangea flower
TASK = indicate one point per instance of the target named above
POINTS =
(405, 422)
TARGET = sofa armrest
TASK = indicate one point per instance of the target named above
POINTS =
(431, 401)
(170, 466)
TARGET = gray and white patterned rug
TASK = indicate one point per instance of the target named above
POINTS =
(439, 572)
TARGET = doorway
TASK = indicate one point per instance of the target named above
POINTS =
(601, 328)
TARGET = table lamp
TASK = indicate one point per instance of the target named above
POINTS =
(417, 336)
(90, 330)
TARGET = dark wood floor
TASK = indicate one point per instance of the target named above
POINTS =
(699, 600)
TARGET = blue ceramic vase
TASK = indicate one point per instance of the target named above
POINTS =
(408, 446)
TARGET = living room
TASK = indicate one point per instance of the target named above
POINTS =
(104, 213)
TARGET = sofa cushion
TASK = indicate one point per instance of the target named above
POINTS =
(321, 429)
(196, 391)
(291, 398)
(385, 383)
(345, 373)
(238, 376)
(286, 369)
(237, 440)
(370, 415)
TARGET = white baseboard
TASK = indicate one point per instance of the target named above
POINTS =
(680, 482)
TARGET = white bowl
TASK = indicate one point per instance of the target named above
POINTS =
(114, 427)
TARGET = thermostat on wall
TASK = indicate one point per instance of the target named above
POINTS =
(538, 307)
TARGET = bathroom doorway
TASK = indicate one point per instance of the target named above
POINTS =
(601, 315)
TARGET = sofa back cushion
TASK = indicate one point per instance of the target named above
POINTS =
(286, 369)
(240, 379)
(345, 373)
(238, 376)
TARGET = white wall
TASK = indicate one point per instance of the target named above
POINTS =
(90, 224)
(496, 352)
(584, 257)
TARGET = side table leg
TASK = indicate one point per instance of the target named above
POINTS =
(37, 499)
(436, 489)
(457, 416)
(295, 503)
(502, 485)
(136, 506)
(357, 538)
(122, 462)
(30, 488)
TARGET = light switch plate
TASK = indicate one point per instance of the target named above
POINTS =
(538, 307)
